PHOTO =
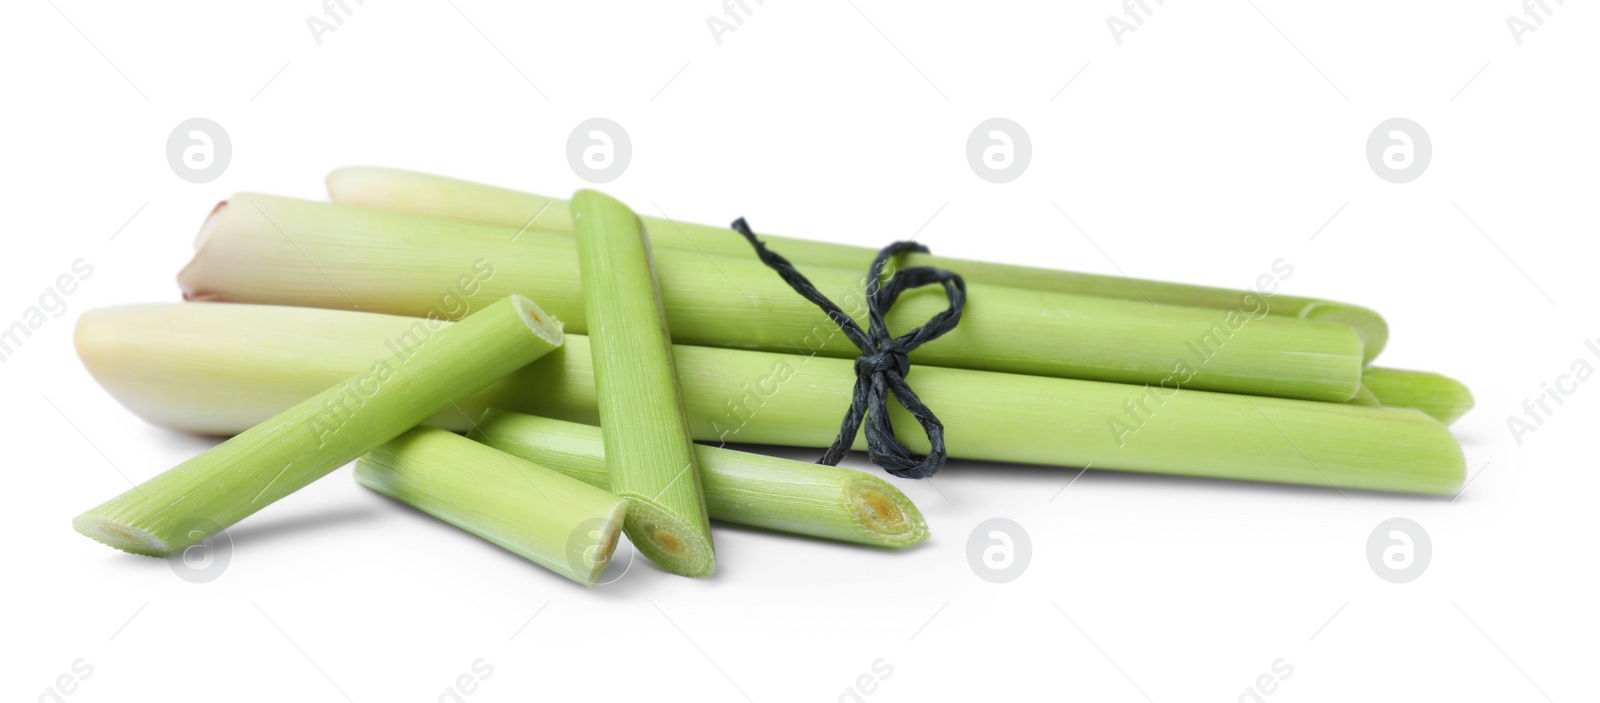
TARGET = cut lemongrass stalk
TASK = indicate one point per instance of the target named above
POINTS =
(328, 426)
(437, 196)
(1442, 397)
(636, 385)
(740, 487)
(787, 399)
(557, 522)
(263, 249)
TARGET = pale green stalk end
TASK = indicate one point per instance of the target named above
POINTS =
(740, 487)
(1368, 324)
(560, 523)
(385, 397)
(653, 463)
(1441, 397)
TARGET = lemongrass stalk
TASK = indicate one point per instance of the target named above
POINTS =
(786, 399)
(1442, 397)
(636, 385)
(437, 196)
(740, 487)
(328, 427)
(262, 249)
(557, 522)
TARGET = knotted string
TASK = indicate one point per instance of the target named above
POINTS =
(883, 364)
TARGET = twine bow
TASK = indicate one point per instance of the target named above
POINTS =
(884, 362)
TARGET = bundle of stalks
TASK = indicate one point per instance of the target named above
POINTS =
(380, 326)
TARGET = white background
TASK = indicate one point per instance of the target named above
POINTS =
(1217, 138)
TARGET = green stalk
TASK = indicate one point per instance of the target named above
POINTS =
(1442, 397)
(740, 487)
(786, 399)
(260, 249)
(328, 427)
(636, 386)
(562, 524)
(1365, 397)
(436, 196)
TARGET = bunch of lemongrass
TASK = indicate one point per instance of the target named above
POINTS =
(398, 190)
(1065, 369)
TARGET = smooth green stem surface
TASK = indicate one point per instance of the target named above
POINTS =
(786, 399)
(262, 249)
(740, 487)
(560, 523)
(382, 395)
(1442, 397)
(1365, 397)
(437, 196)
(636, 387)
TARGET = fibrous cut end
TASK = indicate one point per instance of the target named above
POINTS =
(887, 513)
(667, 541)
(543, 324)
(120, 536)
(597, 557)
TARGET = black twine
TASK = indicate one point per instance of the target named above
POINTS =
(883, 364)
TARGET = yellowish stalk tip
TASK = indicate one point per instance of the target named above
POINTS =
(119, 536)
(889, 515)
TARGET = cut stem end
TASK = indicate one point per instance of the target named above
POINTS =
(542, 324)
(600, 559)
(666, 540)
(120, 536)
(891, 516)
